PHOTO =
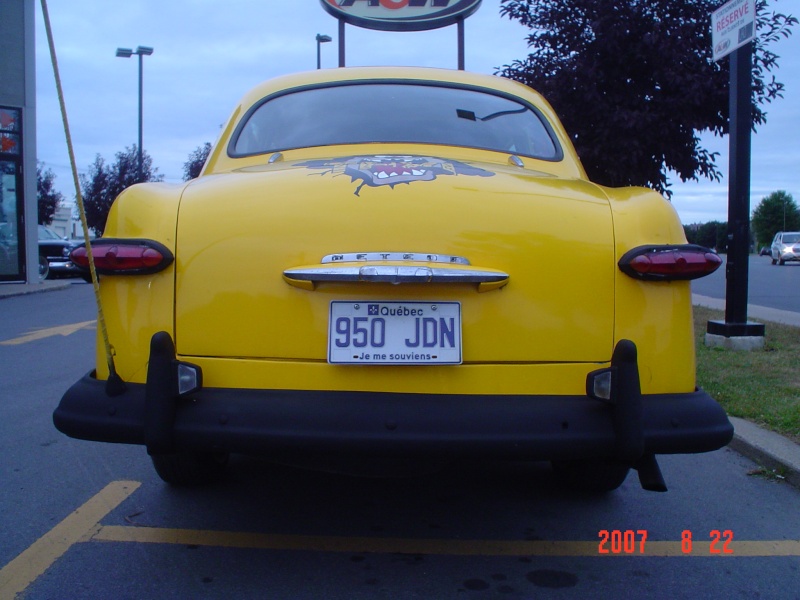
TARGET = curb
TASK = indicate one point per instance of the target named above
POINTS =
(768, 449)
(765, 313)
(9, 290)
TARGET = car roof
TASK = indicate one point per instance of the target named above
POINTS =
(322, 76)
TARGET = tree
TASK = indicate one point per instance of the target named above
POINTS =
(103, 183)
(197, 159)
(634, 81)
(776, 212)
(48, 198)
(713, 234)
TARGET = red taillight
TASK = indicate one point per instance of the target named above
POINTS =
(124, 257)
(669, 263)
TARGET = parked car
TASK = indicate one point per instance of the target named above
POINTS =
(9, 260)
(765, 251)
(54, 252)
(785, 247)
(392, 262)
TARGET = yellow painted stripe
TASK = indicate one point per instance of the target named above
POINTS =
(25, 568)
(234, 539)
(40, 334)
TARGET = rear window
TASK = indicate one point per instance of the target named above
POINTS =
(395, 112)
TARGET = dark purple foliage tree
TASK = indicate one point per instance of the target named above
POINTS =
(103, 183)
(48, 198)
(634, 81)
(193, 166)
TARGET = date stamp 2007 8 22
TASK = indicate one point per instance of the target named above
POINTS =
(631, 541)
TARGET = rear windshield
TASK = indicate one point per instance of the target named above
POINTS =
(395, 112)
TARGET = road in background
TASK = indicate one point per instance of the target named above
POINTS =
(770, 285)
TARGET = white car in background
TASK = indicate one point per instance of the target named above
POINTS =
(785, 246)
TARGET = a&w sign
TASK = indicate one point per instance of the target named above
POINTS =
(401, 15)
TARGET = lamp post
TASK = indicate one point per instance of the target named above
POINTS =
(140, 52)
(321, 39)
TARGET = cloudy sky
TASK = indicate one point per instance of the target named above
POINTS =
(209, 53)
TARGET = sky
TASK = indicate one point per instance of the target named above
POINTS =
(207, 54)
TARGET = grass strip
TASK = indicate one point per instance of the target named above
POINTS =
(762, 386)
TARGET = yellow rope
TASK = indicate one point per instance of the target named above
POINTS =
(79, 198)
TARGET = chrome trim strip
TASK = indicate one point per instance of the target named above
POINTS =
(393, 256)
(395, 274)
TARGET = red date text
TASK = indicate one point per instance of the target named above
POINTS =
(622, 542)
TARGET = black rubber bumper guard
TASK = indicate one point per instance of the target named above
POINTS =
(626, 426)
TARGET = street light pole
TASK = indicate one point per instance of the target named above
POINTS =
(321, 39)
(140, 51)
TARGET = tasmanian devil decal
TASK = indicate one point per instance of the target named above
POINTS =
(380, 170)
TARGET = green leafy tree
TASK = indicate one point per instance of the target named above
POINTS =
(776, 212)
(47, 197)
(634, 81)
(103, 183)
(713, 234)
(193, 166)
(690, 231)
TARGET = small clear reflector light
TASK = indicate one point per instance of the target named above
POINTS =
(189, 378)
(601, 385)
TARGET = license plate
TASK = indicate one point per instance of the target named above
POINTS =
(394, 333)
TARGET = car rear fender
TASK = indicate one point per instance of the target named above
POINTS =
(135, 307)
(656, 315)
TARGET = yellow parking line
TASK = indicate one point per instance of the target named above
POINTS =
(40, 334)
(25, 568)
(263, 541)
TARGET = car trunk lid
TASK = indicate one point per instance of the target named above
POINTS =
(543, 247)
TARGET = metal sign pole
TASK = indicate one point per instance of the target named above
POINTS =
(741, 118)
(341, 42)
(732, 33)
(739, 185)
(460, 25)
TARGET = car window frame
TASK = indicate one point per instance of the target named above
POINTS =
(558, 156)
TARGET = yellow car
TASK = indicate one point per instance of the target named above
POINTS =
(397, 262)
